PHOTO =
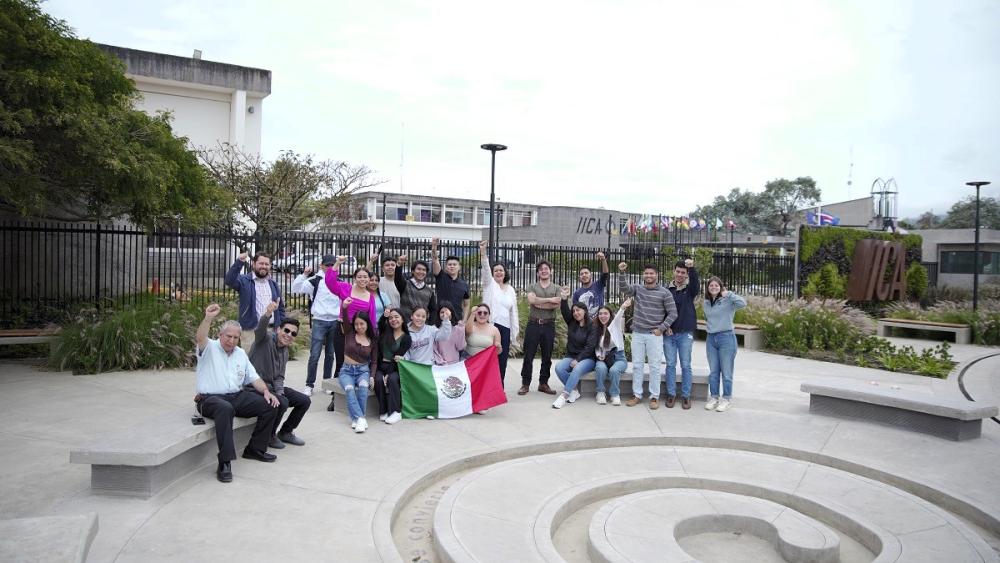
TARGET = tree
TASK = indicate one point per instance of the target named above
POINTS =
(748, 209)
(288, 194)
(786, 197)
(71, 144)
(927, 220)
(962, 215)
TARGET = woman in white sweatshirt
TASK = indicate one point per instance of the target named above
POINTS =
(610, 352)
(501, 298)
(423, 335)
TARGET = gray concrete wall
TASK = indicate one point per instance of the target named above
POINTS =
(189, 70)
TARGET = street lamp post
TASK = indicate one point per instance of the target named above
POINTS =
(975, 261)
(493, 148)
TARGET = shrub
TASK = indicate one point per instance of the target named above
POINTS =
(916, 281)
(827, 283)
(985, 323)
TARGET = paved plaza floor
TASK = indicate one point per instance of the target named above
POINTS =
(526, 482)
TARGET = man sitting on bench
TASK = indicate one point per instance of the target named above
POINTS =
(269, 356)
(223, 371)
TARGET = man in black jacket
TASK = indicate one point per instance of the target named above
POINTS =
(679, 339)
(269, 356)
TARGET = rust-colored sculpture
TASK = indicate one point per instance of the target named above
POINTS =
(877, 271)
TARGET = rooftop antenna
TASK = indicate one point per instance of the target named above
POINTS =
(850, 173)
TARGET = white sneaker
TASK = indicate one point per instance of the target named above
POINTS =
(309, 392)
(601, 398)
(430, 417)
(723, 405)
(354, 423)
(616, 401)
(560, 401)
(573, 396)
(362, 425)
(712, 403)
(383, 416)
(393, 418)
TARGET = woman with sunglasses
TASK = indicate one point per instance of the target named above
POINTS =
(480, 333)
(609, 352)
(449, 351)
(394, 342)
(581, 339)
(501, 301)
(360, 358)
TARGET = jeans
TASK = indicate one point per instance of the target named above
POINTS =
(571, 376)
(617, 369)
(354, 380)
(721, 350)
(646, 345)
(324, 337)
(534, 335)
(504, 350)
(678, 344)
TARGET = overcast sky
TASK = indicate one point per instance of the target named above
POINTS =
(641, 106)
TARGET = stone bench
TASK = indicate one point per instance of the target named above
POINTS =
(753, 337)
(340, 400)
(144, 459)
(963, 333)
(56, 539)
(945, 417)
(699, 382)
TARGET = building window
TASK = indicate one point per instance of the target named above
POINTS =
(963, 262)
(483, 217)
(458, 215)
(519, 218)
(427, 212)
(395, 210)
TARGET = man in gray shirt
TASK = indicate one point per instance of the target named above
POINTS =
(654, 313)
(269, 356)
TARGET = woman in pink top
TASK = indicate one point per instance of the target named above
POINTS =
(449, 351)
(361, 298)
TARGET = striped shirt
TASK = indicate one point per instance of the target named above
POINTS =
(654, 307)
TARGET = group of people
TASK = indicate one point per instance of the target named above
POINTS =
(365, 327)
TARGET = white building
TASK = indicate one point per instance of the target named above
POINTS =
(210, 102)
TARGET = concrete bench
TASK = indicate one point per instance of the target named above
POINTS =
(28, 336)
(945, 417)
(699, 382)
(753, 337)
(340, 400)
(48, 538)
(144, 459)
(963, 333)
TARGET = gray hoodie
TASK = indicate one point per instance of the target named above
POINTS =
(422, 346)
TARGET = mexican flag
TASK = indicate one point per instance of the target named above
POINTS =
(454, 390)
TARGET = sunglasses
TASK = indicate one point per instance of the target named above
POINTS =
(294, 333)
(483, 313)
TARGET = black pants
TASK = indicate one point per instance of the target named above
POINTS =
(535, 334)
(388, 394)
(338, 349)
(299, 404)
(504, 350)
(248, 404)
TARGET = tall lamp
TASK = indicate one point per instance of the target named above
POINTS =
(975, 262)
(493, 148)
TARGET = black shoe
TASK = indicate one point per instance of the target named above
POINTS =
(225, 472)
(330, 406)
(259, 456)
(275, 443)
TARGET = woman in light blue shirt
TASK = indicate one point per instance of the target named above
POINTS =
(720, 307)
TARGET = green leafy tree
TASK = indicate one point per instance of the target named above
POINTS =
(749, 210)
(71, 144)
(916, 281)
(785, 198)
(290, 193)
(962, 215)
(927, 220)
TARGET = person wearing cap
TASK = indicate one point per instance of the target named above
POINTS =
(324, 321)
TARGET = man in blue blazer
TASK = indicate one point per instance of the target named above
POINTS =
(257, 290)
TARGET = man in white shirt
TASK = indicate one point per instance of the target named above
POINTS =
(325, 316)
(224, 370)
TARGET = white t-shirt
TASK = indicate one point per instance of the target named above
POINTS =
(219, 372)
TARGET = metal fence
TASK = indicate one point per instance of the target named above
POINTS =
(51, 270)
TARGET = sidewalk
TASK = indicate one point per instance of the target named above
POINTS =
(318, 502)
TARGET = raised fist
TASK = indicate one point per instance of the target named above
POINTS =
(445, 314)
(347, 301)
(564, 292)
(622, 266)
(600, 256)
(627, 303)
(307, 271)
(212, 311)
(272, 306)
(434, 242)
(482, 245)
(402, 259)
(689, 263)
(244, 257)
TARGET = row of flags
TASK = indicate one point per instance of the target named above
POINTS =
(665, 223)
